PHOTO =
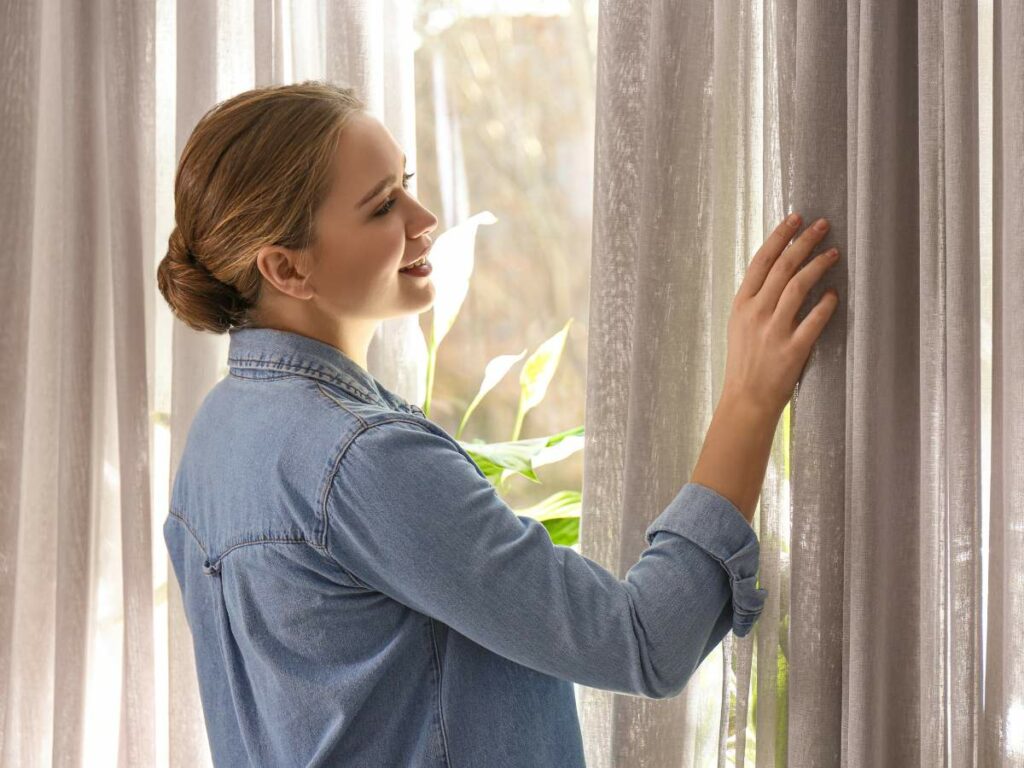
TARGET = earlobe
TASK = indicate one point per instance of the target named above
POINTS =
(306, 288)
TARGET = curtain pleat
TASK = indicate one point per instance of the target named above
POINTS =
(892, 630)
(26, 510)
(869, 113)
(1003, 729)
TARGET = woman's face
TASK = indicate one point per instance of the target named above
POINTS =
(365, 238)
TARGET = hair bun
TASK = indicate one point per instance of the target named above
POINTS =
(178, 250)
(194, 294)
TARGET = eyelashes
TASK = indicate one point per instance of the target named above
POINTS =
(390, 202)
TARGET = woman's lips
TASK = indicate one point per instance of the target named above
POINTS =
(422, 255)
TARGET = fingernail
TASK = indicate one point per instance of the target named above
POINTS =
(793, 219)
(821, 225)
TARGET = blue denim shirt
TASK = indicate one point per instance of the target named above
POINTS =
(359, 594)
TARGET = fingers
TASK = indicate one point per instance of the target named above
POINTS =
(799, 286)
(786, 266)
(766, 255)
(811, 326)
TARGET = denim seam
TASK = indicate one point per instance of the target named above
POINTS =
(236, 375)
(440, 698)
(329, 483)
(435, 651)
(188, 527)
(307, 369)
(325, 492)
(269, 540)
(337, 403)
(216, 563)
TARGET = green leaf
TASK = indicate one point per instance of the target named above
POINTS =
(564, 531)
(539, 370)
(562, 504)
(782, 710)
(511, 457)
(786, 426)
(516, 455)
(561, 447)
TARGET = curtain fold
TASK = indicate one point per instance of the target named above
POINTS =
(1003, 716)
(892, 517)
(713, 121)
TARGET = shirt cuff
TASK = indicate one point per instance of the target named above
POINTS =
(716, 525)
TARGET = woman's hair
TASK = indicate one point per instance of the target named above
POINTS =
(253, 173)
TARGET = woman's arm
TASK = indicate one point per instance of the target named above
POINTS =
(409, 514)
(735, 455)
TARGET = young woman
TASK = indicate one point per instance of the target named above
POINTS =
(357, 592)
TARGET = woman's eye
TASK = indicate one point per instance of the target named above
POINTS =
(390, 202)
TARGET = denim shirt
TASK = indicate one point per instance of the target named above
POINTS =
(358, 593)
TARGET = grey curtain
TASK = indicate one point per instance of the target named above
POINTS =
(892, 518)
(891, 120)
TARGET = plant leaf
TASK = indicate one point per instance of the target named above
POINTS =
(452, 256)
(560, 504)
(493, 373)
(512, 457)
(561, 449)
(540, 368)
(564, 531)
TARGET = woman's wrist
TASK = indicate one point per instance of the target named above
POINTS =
(734, 458)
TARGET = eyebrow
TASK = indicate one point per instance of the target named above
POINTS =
(379, 186)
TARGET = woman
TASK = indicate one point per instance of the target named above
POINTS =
(357, 592)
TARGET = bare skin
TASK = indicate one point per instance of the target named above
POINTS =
(341, 297)
(767, 353)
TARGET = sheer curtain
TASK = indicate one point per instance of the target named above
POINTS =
(96, 661)
(900, 123)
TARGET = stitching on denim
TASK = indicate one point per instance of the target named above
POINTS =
(440, 698)
(341, 454)
(233, 547)
(265, 378)
(319, 370)
(329, 482)
(188, 526)
(336, 402)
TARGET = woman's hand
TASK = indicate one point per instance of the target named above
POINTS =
(767, 350)
(767, 353)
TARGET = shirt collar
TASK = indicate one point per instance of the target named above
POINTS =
(273, 349)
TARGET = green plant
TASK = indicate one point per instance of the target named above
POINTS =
(499, 461)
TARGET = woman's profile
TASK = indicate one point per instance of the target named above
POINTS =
(357, 592)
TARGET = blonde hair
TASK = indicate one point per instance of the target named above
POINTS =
(254, 171)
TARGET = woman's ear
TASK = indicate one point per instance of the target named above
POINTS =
(289, 271)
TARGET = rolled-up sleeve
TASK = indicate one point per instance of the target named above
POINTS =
(410, 514)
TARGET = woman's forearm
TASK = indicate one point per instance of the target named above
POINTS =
(735, 454)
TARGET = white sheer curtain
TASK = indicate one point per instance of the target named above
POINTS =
(713, 120)
(900, 123)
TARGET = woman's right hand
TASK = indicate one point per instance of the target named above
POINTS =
(767, 349)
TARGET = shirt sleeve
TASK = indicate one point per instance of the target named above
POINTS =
(412, 516)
